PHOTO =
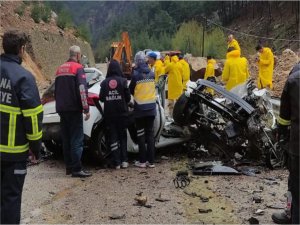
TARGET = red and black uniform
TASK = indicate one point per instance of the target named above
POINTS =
(71, 88)
(71, 102)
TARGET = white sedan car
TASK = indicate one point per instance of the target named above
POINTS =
(94, 128)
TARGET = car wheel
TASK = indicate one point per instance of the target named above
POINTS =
(179, 112)
(55, 148)
(99, 148)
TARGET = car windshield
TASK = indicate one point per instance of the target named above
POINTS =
(92, 76)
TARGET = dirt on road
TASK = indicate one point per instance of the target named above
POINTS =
(108, 196)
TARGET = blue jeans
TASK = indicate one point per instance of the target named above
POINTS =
(72, 136)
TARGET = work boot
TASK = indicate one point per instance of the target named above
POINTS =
(81, 174)
(281, 218)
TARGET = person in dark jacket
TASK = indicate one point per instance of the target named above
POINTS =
(21, 123)
(71, 102)
(142, 87)
(289, 117)
(115, 94)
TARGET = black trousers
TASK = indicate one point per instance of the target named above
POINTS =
(12, 181)
(117, 139)
(145, 135)
(294, 180)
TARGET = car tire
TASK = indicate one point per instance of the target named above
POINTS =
(179, 111)
(99, 147)
(54, 147)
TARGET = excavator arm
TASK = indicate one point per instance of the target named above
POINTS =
(123, 54)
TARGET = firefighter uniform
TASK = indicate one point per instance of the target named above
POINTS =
(21, 129)
(289, 116)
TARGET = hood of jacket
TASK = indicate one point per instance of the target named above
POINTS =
(114, 69)
(174, 59)
(233, 54)
(143, 68)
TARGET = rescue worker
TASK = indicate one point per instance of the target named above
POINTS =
(265, 67)
(21, 123)
(186, 72)
(233, 43)
(156, 65)
(142, 87)
(210, 73)
(115, 94)
(71, 102)
(289, 117)
(175, 87)
(167, 60)
(235, 69)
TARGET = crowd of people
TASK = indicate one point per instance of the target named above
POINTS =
(21, 110)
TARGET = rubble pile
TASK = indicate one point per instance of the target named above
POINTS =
(284, 64)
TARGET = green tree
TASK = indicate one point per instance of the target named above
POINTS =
(84, 32)
(64, 19)
(188, 38)
(215, 43)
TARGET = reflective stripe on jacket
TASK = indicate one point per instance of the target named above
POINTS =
(20, 109)
(142, 87)
(71, 88)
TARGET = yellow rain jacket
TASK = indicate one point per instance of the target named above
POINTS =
(234, 43)
(186, 73)
(175, 87)
(158, 69)
(210, 69)
(167, 60)
(235, 70)
(210, 72)
(265, 69)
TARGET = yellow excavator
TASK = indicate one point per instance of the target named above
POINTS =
(121, 52)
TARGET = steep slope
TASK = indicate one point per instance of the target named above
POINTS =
(48, 46)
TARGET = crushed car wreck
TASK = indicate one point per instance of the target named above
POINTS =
(241, 121)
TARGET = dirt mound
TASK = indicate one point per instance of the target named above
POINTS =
(48, 46)
(284, 65)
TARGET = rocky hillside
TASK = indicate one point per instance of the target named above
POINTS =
(49, 45)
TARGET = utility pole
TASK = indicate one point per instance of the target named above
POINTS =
(204, 27)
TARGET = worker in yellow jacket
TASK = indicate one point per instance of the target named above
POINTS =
(167, 60)
(235, 69)
(186, 72)
(175, 87)
(210, 72)
(156, 65)
(233, 43)
(265, 67)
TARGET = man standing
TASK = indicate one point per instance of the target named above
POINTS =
(210, 73)
(233, 43)
(71, 101)
(265, 67)
(289, 116)
(175, 86)
(156, 65)
(186, 72)
(21, 124)
(235, 69)
(115, 94)
(142, 87)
